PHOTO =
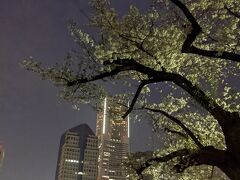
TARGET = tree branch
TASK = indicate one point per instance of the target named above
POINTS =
(175, 132)
(205, 101)
(114, 72)
(139, 89)
(225, 118)
(232, 13)
(188, 46)
(208, 156)
(212, 172)
(165, 158)
(214, 54)
(179, 123)
(196, 29)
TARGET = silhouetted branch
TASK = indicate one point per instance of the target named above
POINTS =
(175, 132)
(232, 13)
(62, 78)
(205, 101)
(196, 29)
(188, 46)
(114, 72)
(208, 156)
(139, 89)
(179, 123)
(165, 158)
(212, 172)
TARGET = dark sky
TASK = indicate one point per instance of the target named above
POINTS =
(31, 116)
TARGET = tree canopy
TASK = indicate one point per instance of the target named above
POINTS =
(184, 56)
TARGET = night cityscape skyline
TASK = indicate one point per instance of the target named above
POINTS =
(85, 155)
(158, 82)
(32, 115)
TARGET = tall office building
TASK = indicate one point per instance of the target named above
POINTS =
(113, 137)
(78, 155)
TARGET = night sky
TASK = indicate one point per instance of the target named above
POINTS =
(32, 117)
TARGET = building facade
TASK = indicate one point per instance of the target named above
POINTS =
(113, 138)
(78, 155)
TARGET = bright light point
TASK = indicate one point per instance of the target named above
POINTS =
(71, 160)
(104, 115)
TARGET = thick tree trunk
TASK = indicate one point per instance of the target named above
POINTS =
(231, 131)
(231, 164)
(227, 160)
(231, 168)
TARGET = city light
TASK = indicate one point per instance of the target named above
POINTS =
(128, 119)
(104, 115)
(72, 160)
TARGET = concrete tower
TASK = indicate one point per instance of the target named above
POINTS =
(78, 155)
(113, 137)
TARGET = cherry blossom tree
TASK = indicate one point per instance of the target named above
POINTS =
(187, 52)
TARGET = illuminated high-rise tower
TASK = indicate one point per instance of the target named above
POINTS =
(78, 155)
(113, 135)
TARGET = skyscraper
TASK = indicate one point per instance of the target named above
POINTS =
(78, 155)
(113, 135)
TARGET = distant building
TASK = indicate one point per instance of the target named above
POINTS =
(1, 155)
(113, 137)
(78, 155)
